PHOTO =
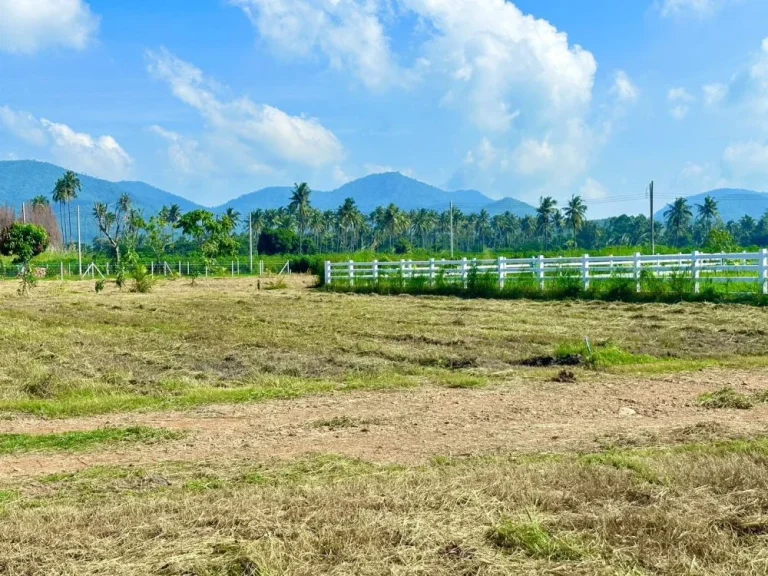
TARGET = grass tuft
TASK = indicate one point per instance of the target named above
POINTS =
(725, 398)
(534, 540)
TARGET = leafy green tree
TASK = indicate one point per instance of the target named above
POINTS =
(214, 234)
(113, 224)
(300, 206)
(23, 242)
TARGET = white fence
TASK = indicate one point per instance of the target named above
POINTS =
(733, 268)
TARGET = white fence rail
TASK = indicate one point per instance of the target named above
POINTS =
(737, 268)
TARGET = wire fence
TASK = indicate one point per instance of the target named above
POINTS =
(167, 268)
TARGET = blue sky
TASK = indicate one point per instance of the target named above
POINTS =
(211, 99)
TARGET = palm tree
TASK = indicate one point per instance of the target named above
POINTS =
(300, 207)
(64, 192)
(424, 222)
(172, 217)
(393, 220)
(575, 215)
(678, 217)
(482, 226)
(234, 216)
(545, 216)
(707, 214)
(39, 201)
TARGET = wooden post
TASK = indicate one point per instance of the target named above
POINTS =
(585, 270)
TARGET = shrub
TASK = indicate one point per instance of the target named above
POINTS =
(280, 241)
(142, 281)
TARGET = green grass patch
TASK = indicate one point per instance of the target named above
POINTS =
(603, 356)
(622, 461)
(462, 381)
(78, 441)
(533, 540)
(725, 398)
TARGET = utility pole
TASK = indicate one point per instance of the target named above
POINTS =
(250, 238)
(23, 213)
(79, 246)
(451, 218)
(653, 236)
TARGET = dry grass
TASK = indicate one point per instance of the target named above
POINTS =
(702, 512)
(67, 350)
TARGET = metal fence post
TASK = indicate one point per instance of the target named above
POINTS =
(585, 270)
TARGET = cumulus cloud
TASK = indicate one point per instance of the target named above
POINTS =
(680, 99)
(27, 26)
(623, 87)
(184, 154)
(246, 124)
(696, 8)
(593, 190)
(714, 93)
(744, 159)
(100, 156)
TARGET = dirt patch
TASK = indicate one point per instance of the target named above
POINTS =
(415, 425)
(545, 361)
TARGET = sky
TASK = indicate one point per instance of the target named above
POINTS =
(212, 99)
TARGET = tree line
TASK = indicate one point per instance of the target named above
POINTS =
(300, 228)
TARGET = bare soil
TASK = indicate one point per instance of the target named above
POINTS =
(412, 426)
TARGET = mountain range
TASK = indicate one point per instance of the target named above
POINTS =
(22, 180)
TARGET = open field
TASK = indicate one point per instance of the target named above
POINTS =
(221, 429)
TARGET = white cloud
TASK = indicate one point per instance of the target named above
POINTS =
(490, 58)
(347, 33)
(744, 159)
(680, 98)
(593, 190)
(22, 125)
(623, 87)
(714, 93)
(184, 154)
(100, 156)
(27, 26)
(697, 8)
(289, 138)
(533, 156)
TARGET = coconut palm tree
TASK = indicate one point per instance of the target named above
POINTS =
(679, 218)
(300, 207)
(65, 192)
(234, 216)
(545, 216)
(39, 201)
(575, 215)
(707, 214)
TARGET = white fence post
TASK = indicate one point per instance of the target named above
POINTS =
(62, 270)
(351, 270)
(464, 272)
(502, 271)
(375, 269)
(540, 268)
(410, 268)
(328, 277)
(636, 268)
(695, 271)
(764, 269)
(585, 270)
(402, 268)
(431, 272)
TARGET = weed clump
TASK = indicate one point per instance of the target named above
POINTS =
(534, 540)
(725, 398)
